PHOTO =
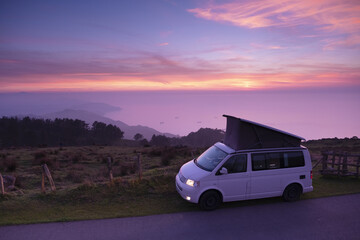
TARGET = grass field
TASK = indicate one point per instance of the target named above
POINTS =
(84, 192)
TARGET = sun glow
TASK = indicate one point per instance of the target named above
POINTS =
(207, 82)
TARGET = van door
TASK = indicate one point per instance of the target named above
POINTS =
(235, 183)
(266, 175)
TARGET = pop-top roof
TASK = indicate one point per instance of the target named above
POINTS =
(243, 134)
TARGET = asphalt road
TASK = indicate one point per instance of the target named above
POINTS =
(324, 218)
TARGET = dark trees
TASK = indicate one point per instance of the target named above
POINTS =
(138, 137)
(65, 132)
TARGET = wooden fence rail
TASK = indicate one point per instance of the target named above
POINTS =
(340, 164)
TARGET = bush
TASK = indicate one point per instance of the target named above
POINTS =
(55, 152)
(9, 165)
(155, 152)
(49, 162)
(166, 157)
(165, 161)
(39, 155)
(76, 158)
(125, 169)
(74, 177)
(19, 181)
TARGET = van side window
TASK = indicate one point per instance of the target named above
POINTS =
(293, 159)
(273, 160)
(258, 161)
(276, 160)
(236, 164)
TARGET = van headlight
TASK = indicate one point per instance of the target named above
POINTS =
(192, 183)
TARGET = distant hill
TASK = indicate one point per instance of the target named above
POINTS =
(204, 137)
(89, 117)
(95, 107)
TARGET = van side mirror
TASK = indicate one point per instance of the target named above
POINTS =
(223, 171)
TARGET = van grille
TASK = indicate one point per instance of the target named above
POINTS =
(182, 178)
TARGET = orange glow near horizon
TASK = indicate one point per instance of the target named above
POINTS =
(106, 82)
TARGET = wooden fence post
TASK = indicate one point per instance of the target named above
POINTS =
(345, 165)
(324, 161)
(42, 180)
(111, 177)
(333, 160)
(2, 185)
(48, 175)
(139, 165)
(339, 166)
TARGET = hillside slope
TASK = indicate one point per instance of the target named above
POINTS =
(89, 117)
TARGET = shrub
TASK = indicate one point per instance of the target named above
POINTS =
(166, 157)
(165, 161)
(128, 168)
(19, 181)
(105, 159)
(155, 152)
(124, 169)
(78, 167)
(10, 165)
(74, 177)
(49, 162)
(39, 155)
(76, 158)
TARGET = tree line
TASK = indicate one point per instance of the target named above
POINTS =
(33, 132)
(204, 137)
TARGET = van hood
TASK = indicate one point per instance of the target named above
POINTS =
(190, 170)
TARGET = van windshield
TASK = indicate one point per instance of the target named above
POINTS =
(210, 158)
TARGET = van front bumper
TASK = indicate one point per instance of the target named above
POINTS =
(186, 192)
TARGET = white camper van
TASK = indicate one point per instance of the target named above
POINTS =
(255, 161)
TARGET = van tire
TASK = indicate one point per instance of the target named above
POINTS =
(292, 192)
(210, 200)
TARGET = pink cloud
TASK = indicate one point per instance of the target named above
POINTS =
(163, 44)
(8, 61)
(269, 47)
(328, 16)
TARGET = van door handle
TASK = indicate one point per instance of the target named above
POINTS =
(302, 176)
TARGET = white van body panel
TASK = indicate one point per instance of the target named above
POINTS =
(250, 184)
(234, 187)
(190, 171)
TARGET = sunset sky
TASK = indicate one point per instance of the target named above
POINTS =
(163, 45)
(182, 45)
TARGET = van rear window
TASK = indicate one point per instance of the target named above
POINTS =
(276, 160)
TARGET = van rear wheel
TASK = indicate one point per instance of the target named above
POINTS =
(210, 200)
(292, 193)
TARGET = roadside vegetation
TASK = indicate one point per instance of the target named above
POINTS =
(83, 190)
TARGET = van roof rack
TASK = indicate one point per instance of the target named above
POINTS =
(242, 134)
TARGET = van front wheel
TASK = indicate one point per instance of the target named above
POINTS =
(292, 193)
(210, 200)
